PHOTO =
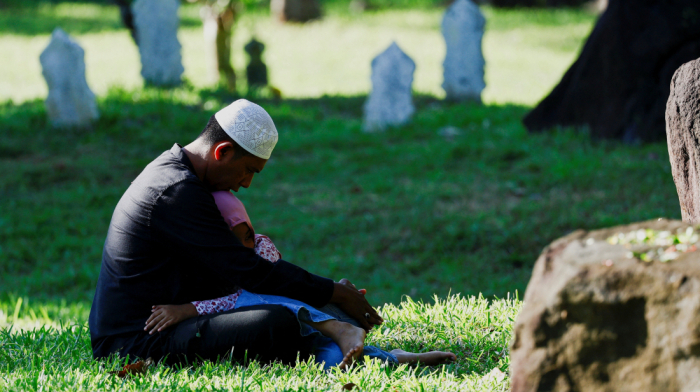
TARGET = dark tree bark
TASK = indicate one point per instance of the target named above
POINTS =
(295, 10)
(538, 3)
(127, 16)
(619, 85)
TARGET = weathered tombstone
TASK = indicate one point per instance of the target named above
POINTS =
(70, 102)
(295, 10)
(463, 29)
(390, 103)
(156, 24)
(612, 310)
(619, 85)
(256, 71)
(683, 136)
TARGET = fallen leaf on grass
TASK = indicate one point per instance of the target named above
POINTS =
(138, 367)
(348, 387)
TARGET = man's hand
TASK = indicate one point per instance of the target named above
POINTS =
(164, 316)
(354, 303)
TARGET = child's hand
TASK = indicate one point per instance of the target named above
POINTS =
(164, 316)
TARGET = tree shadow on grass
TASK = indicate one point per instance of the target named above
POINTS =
(42, 17)
(59, 194)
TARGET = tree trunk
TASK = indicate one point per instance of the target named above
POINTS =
(126, 16)
(218, 27)
(619, 85)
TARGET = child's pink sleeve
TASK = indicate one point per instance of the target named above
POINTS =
(266, 249)
(218, 305)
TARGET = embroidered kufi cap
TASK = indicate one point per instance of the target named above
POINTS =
(250, 126)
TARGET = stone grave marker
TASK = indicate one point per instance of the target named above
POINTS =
(256, 71)
(156, 24)
(390, 103)
(463, 29)
(70, 102)
(682, 130)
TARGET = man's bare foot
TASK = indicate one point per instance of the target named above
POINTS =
(348, 337)
(431, 358)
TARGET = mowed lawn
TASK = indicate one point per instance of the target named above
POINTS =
(413, 216)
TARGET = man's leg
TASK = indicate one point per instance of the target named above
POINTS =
(265, 332)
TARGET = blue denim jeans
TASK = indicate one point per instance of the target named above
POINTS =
(324, 349)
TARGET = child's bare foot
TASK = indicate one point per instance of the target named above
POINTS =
(350, 357)
(348, 337)
(431, 358)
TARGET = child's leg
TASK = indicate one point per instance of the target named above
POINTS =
(327, 352)
(350, 338)
(395, 356)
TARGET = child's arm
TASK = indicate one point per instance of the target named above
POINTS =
(218, 305)
(163, 316)
(266, 249)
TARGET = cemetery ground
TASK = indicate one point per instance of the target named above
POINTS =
(461, 200)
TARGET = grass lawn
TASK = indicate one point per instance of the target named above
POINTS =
(403, 213)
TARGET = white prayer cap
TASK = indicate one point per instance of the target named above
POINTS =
(250, 126)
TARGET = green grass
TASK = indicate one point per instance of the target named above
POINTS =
(403, 213)
(477, 330)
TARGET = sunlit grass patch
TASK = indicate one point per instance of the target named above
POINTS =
(526, 51)
(476, 329)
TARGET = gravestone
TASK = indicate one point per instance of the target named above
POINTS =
(682, 134)
(256, 71)
(616, 309)
(463, 29)
(156, 24)
(295, 10)
(70, 102)
(390, 103)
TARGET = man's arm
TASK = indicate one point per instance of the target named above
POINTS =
(186, 219)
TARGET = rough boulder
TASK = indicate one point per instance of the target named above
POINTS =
(612, 310)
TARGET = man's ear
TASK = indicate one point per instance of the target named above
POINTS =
(221, 149)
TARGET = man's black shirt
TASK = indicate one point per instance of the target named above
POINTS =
(168, 244)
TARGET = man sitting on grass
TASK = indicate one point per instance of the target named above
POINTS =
(168, 244)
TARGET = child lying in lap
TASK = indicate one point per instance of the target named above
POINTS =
(338, 339)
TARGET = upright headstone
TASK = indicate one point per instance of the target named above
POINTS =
(70, 102)
(390, 103)
(156, 24)
(256, 71)
(682, 131)
(463, 29)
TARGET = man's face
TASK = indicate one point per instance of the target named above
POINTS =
(233, 173)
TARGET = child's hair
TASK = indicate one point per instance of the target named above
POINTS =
(232, 209)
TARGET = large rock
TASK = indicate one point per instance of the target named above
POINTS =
(683, 136)
(612, 310)
(295, 10)
(156, 24)
(463, 29)
(619, 85)
(70, 102)
(391, 100)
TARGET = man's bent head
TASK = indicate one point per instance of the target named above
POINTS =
(239, 140)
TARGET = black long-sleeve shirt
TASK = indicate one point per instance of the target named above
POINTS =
(168, 244)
